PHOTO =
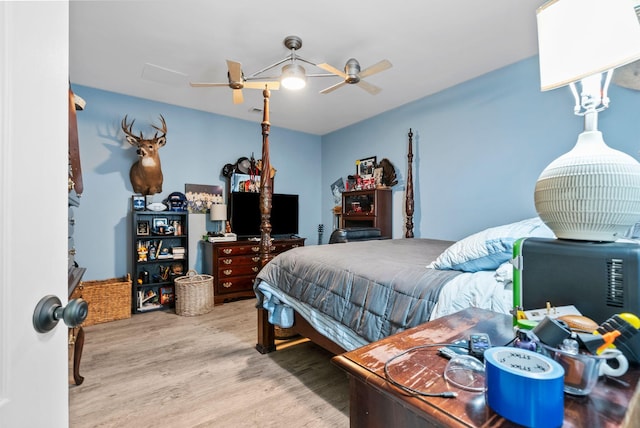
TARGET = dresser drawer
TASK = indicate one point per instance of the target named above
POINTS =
(228, 271)
(235, 284)
(253, 248)
(238, 261)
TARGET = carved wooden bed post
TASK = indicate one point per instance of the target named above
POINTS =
(266, 190)
(266, 330)
(409, 190)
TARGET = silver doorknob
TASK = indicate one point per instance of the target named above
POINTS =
(49, 311)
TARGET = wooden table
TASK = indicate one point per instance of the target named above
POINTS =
(376, 403)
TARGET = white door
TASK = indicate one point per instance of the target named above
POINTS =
(34, 76)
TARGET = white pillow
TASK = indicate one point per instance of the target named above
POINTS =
(490, 248)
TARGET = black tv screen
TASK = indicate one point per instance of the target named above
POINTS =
(245, 214)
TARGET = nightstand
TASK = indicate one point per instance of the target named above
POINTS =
(376, 403)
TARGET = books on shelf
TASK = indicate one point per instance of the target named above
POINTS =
(178, 252)
(148, 300)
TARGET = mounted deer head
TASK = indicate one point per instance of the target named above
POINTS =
(146, 172)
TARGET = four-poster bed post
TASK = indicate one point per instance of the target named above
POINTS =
(409, 189)
(266, 330)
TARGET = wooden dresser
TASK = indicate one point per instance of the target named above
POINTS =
(234, 265)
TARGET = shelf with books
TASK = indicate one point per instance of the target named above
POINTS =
(159, 256)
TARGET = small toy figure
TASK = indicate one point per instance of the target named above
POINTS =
(142, 254)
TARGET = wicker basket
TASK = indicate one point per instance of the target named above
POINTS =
(194, 294)
(108, 300)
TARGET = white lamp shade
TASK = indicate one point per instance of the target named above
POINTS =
(218, 212)
(579, 38)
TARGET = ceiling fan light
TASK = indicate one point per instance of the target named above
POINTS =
(293, 77)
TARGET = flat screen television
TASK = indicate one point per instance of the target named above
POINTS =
(245, 214)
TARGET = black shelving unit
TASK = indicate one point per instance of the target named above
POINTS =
(164, 237)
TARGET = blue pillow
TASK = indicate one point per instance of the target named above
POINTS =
(488, 249)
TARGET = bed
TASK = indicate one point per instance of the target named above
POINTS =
(343, 296)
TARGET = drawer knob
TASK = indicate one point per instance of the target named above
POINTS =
(227, 261)
(226, 284)
(255, 269)
(255, 259)
(227, 272)
(227, 250)
(255, 249)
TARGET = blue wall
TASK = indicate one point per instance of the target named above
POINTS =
(478, 150)
(198, 145)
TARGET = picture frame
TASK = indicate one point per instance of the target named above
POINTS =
(377, 176)
(365, 167)
(201, 196)
(160, 221)
(245, 183)
(337, 187)
(142, 228)
(138, 202)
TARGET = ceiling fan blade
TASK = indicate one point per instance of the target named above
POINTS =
(206, 85)
(332, 69)
(375, 68)
(235, 71)
(273, 86)
(237, 96)
(372, 89)
(333, 88)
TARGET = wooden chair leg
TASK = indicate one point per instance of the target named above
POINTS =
(77, 355)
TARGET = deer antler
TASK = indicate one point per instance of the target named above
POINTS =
(163, 130)
(128, 129)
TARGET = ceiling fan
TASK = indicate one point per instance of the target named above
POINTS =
(294, 76)
(353, 75)
(237, 82)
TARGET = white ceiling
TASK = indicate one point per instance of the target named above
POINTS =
(152, 49)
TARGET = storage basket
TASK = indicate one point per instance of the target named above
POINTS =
(108, 300)
(194, 294)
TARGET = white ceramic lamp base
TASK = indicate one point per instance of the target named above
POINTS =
(591, 193)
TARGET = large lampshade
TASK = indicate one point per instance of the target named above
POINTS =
(578, 38)
(593, 191)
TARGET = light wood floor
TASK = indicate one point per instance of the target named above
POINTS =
(163, 370)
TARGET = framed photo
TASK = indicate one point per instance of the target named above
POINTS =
(201, 196)
(142, 228)
(365, 167)
(245, 183)
(337, 187)
(377, 176)
(138, 202)
(160, 221)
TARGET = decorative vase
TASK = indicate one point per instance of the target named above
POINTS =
(591, 193)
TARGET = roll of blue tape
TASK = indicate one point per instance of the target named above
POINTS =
(524, 387)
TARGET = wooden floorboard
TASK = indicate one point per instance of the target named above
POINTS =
(163, 370)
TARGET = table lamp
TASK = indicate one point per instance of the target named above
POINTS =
(591, 193)
(218, 212)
